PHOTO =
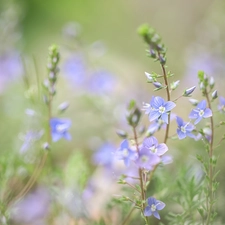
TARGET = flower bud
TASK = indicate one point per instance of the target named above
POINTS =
(63, 106)
(121, 133)
(189, 91)
(214, 94)
(202, 86)
(194, 102)
(149, 77)
(174, 85)
(211, 82)
(157, 85)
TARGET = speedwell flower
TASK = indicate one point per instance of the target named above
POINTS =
(221, 106)
(200, 112)
(153, 207)
(159, 108)
(126, 153)
(151, 143)
(59, 129)
(184, 129)
(146, 159)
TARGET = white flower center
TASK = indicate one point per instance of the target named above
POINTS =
(144, 158)
(125, 152)
(61, 128)
(162, 109)
(153, 207)
(201, 112)
(153, 149)
(183, 129)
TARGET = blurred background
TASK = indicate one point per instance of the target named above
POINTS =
(102, 67)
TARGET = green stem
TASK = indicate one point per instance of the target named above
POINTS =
(210, 172)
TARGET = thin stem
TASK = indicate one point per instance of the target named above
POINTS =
(128, 216)
(210, 188)
(140, 172)
(132, 186)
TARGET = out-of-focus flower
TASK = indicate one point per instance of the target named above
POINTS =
(59, 129)
(184, 129)
(75, 69)
(159, 108)
(146, 159)
(125, 153)
(151, 143)
(200, 112)
(101, 82)
(221, 106)
(153, 206)
(29, 139)
(105, 156)
(32, 208)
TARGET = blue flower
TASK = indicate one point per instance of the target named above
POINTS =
(59, 129)
(125, 153)
(184, 129)
(200, 112)
(153, 207)
(221, 106)
(146, 159)
(152, 145)
(105, 156)
(159, 108)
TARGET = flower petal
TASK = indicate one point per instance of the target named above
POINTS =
(160, 205)
(169, 105)
(164, 117)
(202, 104)
(156, 215)
(157, 102)
(207, 113)
(149, 142)
(180, 134)
(147, 211)
(161, 149)
(180, 122)
(154, 115)
(198, 120)
(193, 114)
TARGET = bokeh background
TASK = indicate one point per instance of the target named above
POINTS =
(102, 67)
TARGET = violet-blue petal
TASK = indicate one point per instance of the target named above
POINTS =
(164, 117)
(161, 149)
(202, 104)
(154, 115)
(193, 114)
(169, 105)
(156, 215)
(181, 135)
(160, 205)
(207, 113)
(157, 102)
(147, 211)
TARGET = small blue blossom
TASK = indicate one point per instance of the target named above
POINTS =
(146, 159)
(59, 129)
(105, 156)
(159, 108)
(184, 129)
(153, 206)
(125, 153)
(200, 112)
(152, 145)
(221, 106)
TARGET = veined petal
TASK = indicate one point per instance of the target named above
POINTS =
(164, 117)
(180, 134)
(157, 102)
(124, 144)
(156, 215)
(193, 114)
(202, 104)
(190, 127)
(147, 211)
(160, 205)
(149, 142)
(154, 115)
(198, 120)
(207, 113)
(180, 122)
(161, 149)
(169, 106)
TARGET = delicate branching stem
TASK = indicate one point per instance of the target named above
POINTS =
(210, 188)
(132, 186)
(140, 171)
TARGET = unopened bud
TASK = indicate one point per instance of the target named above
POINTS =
(157, 84)
(202, 86)
(121, 133)
(46, 146)
(174, 85)
(189, 91)
(63, 106)
(194, 102)
(214, 94)
(149, 77)
(211, 82)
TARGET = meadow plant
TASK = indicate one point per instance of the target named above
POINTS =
(190, 199)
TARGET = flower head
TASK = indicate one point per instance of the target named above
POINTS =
(200, 112)
(152, 145)
(59, 128)
(159, 108)
(146, 159)
(153, 206)
(184, 129)
(125, 153)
